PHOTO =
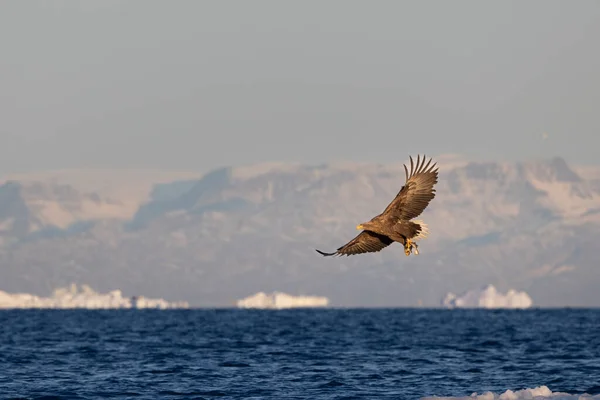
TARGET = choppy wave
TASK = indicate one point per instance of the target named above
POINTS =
(317, 354)
(538, 393)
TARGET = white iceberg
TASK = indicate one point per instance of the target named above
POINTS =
(86, 297)
(488, 297)
(278, 300)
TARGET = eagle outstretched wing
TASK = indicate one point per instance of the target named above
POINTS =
(417, 192)
(364, 242)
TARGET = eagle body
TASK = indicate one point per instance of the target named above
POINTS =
(396, 223)
(395, 228)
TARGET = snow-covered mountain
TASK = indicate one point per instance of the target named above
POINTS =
(235, 231)
(35, 209)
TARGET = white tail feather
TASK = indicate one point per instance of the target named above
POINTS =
(424, 230)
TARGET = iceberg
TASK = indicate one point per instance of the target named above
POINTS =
(86, 297)
(488, 297)
(278, 300)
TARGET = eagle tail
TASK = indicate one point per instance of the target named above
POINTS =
(326, 254)
(423, 231)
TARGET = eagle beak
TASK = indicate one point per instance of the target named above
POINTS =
(359, 227)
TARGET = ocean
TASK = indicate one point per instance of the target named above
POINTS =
(297, 354)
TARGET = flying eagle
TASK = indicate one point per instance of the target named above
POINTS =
(395, 223)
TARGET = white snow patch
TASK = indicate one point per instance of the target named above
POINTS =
(488, 297)
(130, 186)
(538, 393)
(256, 170)
(73, 297)
(562, 200)
(278, 300)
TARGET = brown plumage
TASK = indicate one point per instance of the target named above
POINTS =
(395, 223)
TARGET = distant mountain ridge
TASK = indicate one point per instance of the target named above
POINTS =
(32, 209)
(237, 231)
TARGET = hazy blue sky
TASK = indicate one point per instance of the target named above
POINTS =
(200, 84)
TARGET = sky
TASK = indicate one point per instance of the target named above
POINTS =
(199, 85)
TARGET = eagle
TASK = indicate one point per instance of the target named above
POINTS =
(396, 223)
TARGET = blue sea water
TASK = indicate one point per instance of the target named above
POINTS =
(295, 354)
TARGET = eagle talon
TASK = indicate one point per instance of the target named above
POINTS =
(408, 247)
